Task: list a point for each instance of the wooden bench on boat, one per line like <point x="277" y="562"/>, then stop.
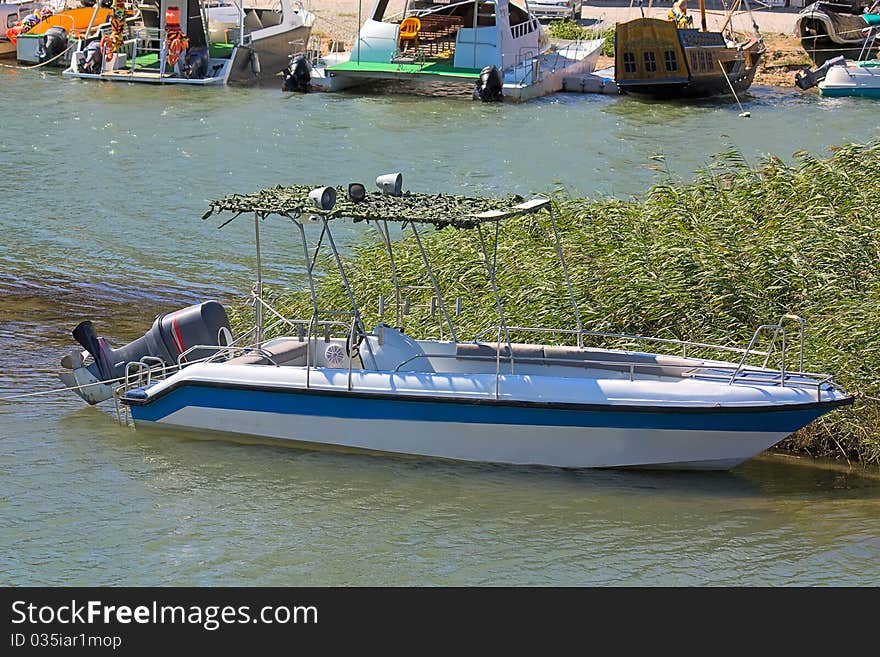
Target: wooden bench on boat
<point x="438" y="33"/>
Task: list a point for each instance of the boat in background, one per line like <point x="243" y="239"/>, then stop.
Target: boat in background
<point x="852" y="78"/>
<point x="495" y="47"/>
<point x="659" y="58"/>
<point x="58" y="32"/>
<point x="844" y="77"/>
<point x="12" y="13"/>
<point x="197" y="43"/>
<point x="836" y="29"/>
<point x="324" y="379"/>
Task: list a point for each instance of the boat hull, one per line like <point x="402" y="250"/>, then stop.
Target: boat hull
<point x="273" y="52"/>
<point x="697" y="88"/>
<point x="482" y="430"/>
<point x="540" y="76"/>
<point x="854" y="79"/>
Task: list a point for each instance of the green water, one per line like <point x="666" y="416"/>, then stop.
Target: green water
<point x="102" y="188"/>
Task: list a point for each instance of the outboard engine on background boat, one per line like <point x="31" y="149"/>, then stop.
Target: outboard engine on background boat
<point x="170" y="336"/>
<point x="297" y="75"/>
<point x="489" y="86"/>
<point x="91" y="58"/>
<point x="195" y="63"/>
<point x="53" y="43"/>
<point x="807" y="79"/>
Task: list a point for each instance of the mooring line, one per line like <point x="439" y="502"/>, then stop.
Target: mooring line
<point x="48" y="61"/>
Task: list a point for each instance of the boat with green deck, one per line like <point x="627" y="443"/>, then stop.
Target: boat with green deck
<point x="496" y="47"/>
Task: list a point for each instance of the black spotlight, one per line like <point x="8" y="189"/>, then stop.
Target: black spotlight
<point x="356" y="192"/>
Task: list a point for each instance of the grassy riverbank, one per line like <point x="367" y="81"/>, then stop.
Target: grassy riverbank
<point x="708" y="260"/>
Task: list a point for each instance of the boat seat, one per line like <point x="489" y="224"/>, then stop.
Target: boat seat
<point x="659" y="365"/>
<point x="280" y="352"/>
<point x="488" y="350"/>
<point x="599" y="359"/>
<point x="408" y="32"/>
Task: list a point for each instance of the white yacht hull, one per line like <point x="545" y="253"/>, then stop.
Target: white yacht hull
<point x="591" y="423"/>
<point x="854" y="79"/>
<point x="564" y="447"/>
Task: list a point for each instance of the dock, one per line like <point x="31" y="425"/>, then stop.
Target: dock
<point x="597" y="82"/>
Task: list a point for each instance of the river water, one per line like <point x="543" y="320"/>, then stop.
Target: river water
<point x="102" y="190"/>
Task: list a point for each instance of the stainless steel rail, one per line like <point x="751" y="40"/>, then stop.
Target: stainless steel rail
<point x="711" y="370"/>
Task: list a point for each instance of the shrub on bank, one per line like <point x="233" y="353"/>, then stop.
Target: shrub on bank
<point x="708" y="261"/>
<point x="569" y="29"/>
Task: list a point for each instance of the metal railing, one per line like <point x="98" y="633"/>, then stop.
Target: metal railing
<point x="698" y="370"/>
<point x="778" y="331"/>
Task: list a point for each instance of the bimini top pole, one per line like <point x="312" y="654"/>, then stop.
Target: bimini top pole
<point x="561" y="255"/>
<point x="354" y="307"/>
<point x="258" y="307"/>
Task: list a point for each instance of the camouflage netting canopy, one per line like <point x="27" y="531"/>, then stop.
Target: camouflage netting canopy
<point x="441" y="210"/>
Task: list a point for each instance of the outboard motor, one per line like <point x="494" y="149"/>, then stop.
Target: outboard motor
<point x="807" y="79"/>
<point x="91" y="58"/>
<point x="489" y="86"/>
<point x="195" y="63"/>
<point x="53" y="43"/>
<point x="297" y="76"/>
<point x="170" y="336"/>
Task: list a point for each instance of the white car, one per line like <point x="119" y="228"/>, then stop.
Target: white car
<point x="544" y="9"/>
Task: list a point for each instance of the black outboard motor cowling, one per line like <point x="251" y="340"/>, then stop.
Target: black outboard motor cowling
<point x="807" y="79"/>
<point x="91" y="58"/>
<point x="489" y="86"/>
<point x="297" y="76"/>
<point x="195" y="63"/>
<point x="53" y="43"/>
<point x="170" y="336"/>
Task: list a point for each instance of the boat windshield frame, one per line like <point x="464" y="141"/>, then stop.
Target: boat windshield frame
<point x="297" y="208"/>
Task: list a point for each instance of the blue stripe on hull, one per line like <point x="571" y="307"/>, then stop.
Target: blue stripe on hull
<point x="342" y="405"/>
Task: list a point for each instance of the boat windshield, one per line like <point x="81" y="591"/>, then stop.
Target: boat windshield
<point x="462" y="12"/>
<point x="395" y="11"/>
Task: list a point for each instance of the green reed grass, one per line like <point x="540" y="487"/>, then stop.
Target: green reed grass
<point x="708" y="260"/>
<point x="566" y="28"/>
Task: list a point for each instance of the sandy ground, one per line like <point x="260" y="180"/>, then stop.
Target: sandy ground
<point x="337" y="20"/>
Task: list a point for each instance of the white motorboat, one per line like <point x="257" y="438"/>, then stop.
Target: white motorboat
<point x="495" y="47"/>
<point x="329" y="381"/>
<point x="859" y="78"/>
<point x="12" y="12"/>
<point x="844" y="77"/>
<point x="240" y="45"/>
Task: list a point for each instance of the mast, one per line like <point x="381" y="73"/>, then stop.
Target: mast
<point x="703" y="14"/>
<point x="476" y="11"/>
<point x="727" y="20"/>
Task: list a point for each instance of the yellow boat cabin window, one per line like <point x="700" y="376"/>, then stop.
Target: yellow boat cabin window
<point x="670" y="60"/>
<point x="629" y="62"/>
<point x="650" y="61"/>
